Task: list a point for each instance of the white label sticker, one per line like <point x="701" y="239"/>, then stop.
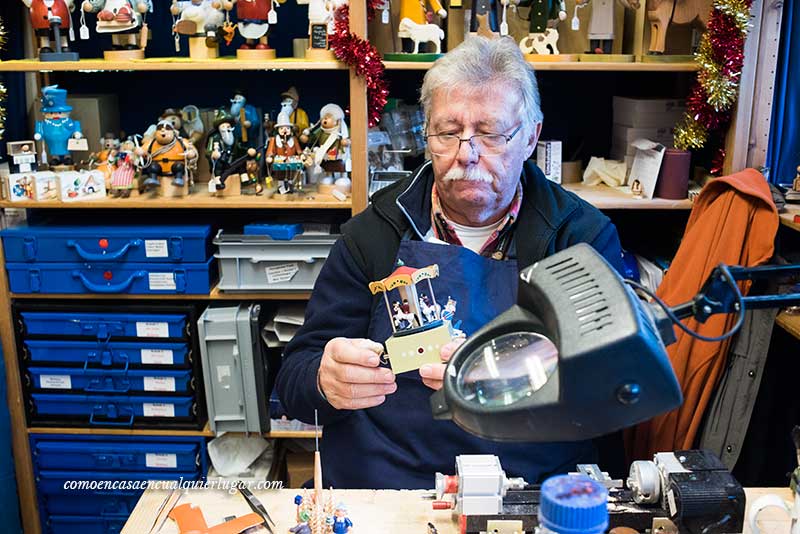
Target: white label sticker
<point x="159" y="383"/>
<point x="223" y="372"/>
<point x="671" y="503"/>
<point x="55" y="382"/>
<point x="156" y="248"/>
<point x="78" y="144"/>
<point x="281" y="273"/>
<point x="161" y="281"/>
<point x="165" y="461"/>
<point x="158" y="409"/>
<point x="25" y="167"/>
<point x="148" y="329"/>
<point x="157" y="357"/>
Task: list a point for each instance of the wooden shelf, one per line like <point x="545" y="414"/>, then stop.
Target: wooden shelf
<point x="570" y="66"/>
<point x="119" y="431"/>
<point x="166" y="63"/>
<point x="620" y="198"/>
<point x="216" y="294"/>
<point x="789" y="322"/>
<point x="787" y="218"/>
<point x="198" y="200"/>
<point x="296" y="434"/>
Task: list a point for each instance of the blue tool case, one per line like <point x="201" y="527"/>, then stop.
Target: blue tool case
<point x="90" y="484"/>
<point x="108" y="244"/>
<point x="103" y="380"/>
<point x="106" y="354"/>
<point x="104" y="325"/>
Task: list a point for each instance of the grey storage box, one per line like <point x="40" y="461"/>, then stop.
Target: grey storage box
<point x="260" y="263"/>
<point x="238" y="378"/>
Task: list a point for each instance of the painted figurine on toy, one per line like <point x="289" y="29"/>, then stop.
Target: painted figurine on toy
<point x="247" y="119"/>
<point x="601" y="23"/>
<point x="51" y="22"/>
<point x="285" y="157"/>
<point x="543" y="36"/>
<point x="255" y="17"/>
<point x="329" y="140"/>
<point x="223" y="148"/>
<point x="125" y="21"/>
<point x="415" y="24"/>
<point x="123" y="167"/>
<point x="57" y="128"/>
<point x="202" y="21"/>
<point x="165" y="155"/>
<point x="341" y="523"/>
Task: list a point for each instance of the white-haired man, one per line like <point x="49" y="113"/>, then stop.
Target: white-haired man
<point x="482" y="212"/>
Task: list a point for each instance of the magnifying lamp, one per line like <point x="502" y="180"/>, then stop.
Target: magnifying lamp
<point x="580" y="355"/>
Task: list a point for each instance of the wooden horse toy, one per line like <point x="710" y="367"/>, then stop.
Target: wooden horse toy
<point x="661" y="13"/>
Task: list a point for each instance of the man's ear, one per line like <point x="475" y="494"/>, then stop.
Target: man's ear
<point x="533" y="139"/>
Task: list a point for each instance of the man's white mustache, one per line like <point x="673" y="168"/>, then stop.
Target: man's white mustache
<point x="472" y="174"/>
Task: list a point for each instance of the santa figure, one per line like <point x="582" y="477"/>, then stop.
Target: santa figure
<point x="51" y="16"/>
<point x="254" y="17"/>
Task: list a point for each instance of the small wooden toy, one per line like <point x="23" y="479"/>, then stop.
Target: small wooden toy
<point x="541" y="44"/>
<point x="165" y="155"/>
<point x="202" y="21"/>
<point x="57" y="128"/>
<point x="320" y="26"/>
<point x="255" y="18"/>
<point x="125" y="21"/>
<point x="222" y="149"/>
<point x="123" y="169"/>
<point x="247" y="120"/>
<point x="602" y="29"/>
<point x="52" y="23"/>
<point x="23" y="155"/>
<point x="329" y="140"/>
<point x="662" y="13"/>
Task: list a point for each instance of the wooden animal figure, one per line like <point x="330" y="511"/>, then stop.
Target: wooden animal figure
<point x="662" y="13"/>
<point x="540" y="43"/>
<point x="421" y="33"/>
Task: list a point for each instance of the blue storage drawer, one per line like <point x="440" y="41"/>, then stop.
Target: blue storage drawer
<point x="120" y="410"/>
<point x="72" y="524"/>
<point x="112" y="353"/>
<point x="57" y="500"/>
<point x="144" y="456"/>
<point x="105" y="278"/>
<point x="104" y="325"/>
<point x="123" y="380"/>
<point x="154" y="243"/>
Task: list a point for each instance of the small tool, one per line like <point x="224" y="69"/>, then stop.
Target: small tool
<point x="163" y="512"/>
<point x="257" y="507"/>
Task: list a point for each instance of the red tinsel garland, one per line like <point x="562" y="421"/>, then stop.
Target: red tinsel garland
<point x="721" y="58"/>
<point x="363" y="57"/>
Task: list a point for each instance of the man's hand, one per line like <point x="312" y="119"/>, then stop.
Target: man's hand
<point x="350" y="376"/>
<point x="433" y="374"/>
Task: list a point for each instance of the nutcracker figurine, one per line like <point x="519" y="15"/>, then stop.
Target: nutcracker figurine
<point x="51" y="20"/>
<point x="165" y="155"/>
<point x="202" y="21"/>
<point x="542" y="39"/>
<point x="57" y="128"/>
<point x="125" y="21"/>
<point x="329" y="140"/>
<point x="255" y="17"/>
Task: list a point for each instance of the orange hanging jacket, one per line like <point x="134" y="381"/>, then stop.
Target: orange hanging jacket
<point x="733" y="221"/>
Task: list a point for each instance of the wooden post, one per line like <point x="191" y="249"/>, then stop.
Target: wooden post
<point x="358" y="117"/>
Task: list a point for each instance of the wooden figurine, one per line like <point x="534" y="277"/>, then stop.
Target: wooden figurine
<point x="541" y="44"/>
<point x="662" y="13"/>
<point x="23" y="156"/>
<point x="290" y="102"/>
<point x="796" y="182"/>
<point x="202" y="21"/>
<point x="165" y="155"/>
<point x="255" y="18"/>
<point x="329" y="140"/>
<point x="189" y="129"/>
<point x="51" y="21"/>
<point x="284" y="158"/>
<point x="416" y="28"/>
<point x="485" y="10"/>
<point x="57" y="128"/>
<point x="602" y="28"/>
<point x="247" y="120"/>
<point x="123" y="169"/>
<point x="636" y="189"/>
<point x="223" y="148"/>
<point x="320" y="26"/>
<point x="125" y="21"/>
<point x="110" y="144"/>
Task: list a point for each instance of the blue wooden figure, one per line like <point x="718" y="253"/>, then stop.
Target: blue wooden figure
<point x="247" y="116"/>
<point x="57" y="128"/>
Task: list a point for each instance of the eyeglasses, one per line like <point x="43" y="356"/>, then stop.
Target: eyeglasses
<point x="484" y="144"/>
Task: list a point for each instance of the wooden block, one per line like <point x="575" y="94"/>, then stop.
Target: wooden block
<point x="199" y="50"/>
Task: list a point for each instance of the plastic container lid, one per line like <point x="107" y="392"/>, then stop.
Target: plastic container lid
<point x="573" y="504"/>
<point x="283" y="232"/>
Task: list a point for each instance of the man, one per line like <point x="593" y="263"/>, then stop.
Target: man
<point x="482" y="213"/>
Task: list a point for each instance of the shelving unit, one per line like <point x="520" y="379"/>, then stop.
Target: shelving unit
<point x="216" y="294"/>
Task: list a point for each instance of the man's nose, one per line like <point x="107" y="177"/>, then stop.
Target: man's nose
<point x="467" y="152"/>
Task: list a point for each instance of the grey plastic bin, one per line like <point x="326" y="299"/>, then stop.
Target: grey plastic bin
<point x="235" y="369"/>
<point x="260" y="263"/>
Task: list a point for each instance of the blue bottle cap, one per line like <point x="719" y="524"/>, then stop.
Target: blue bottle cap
<point x="573" y="504"/>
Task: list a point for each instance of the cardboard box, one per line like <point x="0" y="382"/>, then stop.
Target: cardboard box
<point x="81" y="186"/>
<point x="548" y="158"/>
<point x="625" y="135"/>
<point x="97" y="114"/>
<point x="634" y="106"/>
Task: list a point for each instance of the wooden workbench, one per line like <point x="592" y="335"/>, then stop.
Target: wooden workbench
<point x="372" y="512"/>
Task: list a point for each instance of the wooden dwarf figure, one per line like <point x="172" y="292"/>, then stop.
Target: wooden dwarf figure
<point x="165" y="155"/>
<point x="284" y="157"/>
<point x="52" y="23"/>
<point x="223" y="148"/>
<point x="329" y="140"/>
<point x="125" y="21"/>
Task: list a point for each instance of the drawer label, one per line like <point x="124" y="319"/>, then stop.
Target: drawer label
<point x="55" y="382"/>
<point x="148" y="329"/>
<point x="161" y="281"/>
<point x="158" y="409"/>
<point x="159" y="383"/>
<point x="223" y="373"/>
<point x="284" y="272"/>
<point x="162" y="460"/>
<point x="156" y="248"/>
<point x="157" y="357"/>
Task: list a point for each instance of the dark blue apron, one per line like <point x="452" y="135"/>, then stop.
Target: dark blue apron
<point x="398" y="444"/>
